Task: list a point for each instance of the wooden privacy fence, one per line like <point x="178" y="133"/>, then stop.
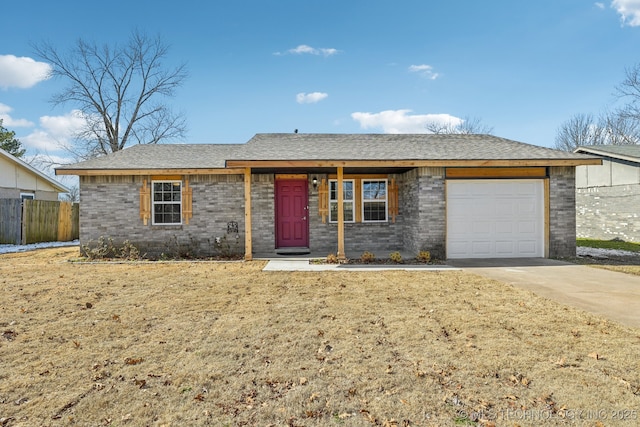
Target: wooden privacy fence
<point x="35" y="221"/>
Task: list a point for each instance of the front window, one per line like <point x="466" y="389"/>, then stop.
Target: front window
<point x="167" y="202"/>
<point x="374" y="201"/>
<point x="348" y="195"/>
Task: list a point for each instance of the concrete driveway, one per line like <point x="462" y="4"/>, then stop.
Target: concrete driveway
<point x="602" y="292"/>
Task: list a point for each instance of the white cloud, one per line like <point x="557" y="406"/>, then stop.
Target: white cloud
<point x="310" y="98"/>
<point x="39" y="140"/>
<point x="22" y="72"/>
<point x="10" y="122"/>
<point x="425" y="71"/>
<point x="599" y="5"/>
<point x="63" y="126"/>
<point x="629" y="11"/>
<point x="55" y="132"/>
<point x="304" y="49"/>
<point x="401" y="121"/>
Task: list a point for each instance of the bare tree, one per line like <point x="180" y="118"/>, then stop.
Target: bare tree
<point x="73" y="195"/>
<point x="580" y="129"/>
<point x="612" y="127"/>
<point x="119" y="91"/>
<point x="627" y="120"/>
<point x="629" y="90"/>
<point x="620" y="128"/>
<point x="468" y="125"/>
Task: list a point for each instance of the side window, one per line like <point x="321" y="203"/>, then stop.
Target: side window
<point x="27" y="196"/>
<point x="166" y="202"/>
<point x="348" y="197"/>
<point x="374" y="200"/>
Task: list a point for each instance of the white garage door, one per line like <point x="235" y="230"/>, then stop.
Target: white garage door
<point x="495" y="218"/>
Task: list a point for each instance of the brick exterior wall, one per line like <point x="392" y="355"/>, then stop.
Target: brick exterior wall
<point x="422" y="205"/>
<point x="562" y="206"/>
<point x="263" y="238"/>
<point x="609" y="212"/>
<point x="110" y="207"/>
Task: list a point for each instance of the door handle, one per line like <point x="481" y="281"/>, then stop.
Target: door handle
<point x="304" y="218"/>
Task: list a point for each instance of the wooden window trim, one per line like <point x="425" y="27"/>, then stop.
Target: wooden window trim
<point x="392" y="195"/>
<point x="187" y="202"/>
<point x="323" y="200"/>
<point x="145" y="202"/>
<point x="391" y="200"/>
<point x="386" y="200"/>
<point x="154" y="203"/>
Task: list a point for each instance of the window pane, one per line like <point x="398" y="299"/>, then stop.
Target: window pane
<point x="157" y="192"/>
<point x="372" y="190"/>
<point x="348" y="211"/>
<point x="166" y="202"/>
<point x="347" y="187"/>
<point x="375" y="211"/>
<point x="347" y="190"/>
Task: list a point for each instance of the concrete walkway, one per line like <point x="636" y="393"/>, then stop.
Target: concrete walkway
<point x="301" y="264"/>
<point x="602" y="292"/>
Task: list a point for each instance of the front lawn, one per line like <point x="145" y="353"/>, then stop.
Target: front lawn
<point x="198" y="344"/>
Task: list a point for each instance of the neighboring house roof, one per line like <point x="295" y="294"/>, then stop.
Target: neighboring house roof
<point x="276" y="149"/>
<point x="630" y="153"/>
<point x="13" y="159"/>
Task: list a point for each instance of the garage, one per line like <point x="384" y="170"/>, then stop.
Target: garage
<point x="495" y="218"/>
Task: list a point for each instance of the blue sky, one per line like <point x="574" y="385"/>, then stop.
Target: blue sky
<point x="348" y="66"/>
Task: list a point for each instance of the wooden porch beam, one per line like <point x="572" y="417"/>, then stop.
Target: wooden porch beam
<point x="410" y="163"/>
<point x="127" y="172"/>
<point x="248" y="250"/>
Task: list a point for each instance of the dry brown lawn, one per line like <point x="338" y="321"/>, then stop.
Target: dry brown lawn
<point x="194" y="344"/>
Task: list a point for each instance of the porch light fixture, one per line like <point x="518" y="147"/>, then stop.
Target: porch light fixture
<point x="314" y="181"/>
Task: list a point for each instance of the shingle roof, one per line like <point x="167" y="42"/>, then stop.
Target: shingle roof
<point x="626" y="152"/>
<point x="285" y="147"/>
<point x="162" y="156"/>
<point x="392" y="147"/>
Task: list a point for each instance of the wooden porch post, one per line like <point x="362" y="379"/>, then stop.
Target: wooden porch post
<point x="340" y="254"/>
<point x="547" y="217"/>
<point x="248" y="250"/>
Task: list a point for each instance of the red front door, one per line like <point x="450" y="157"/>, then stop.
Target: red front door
<point x="292" y="225"/>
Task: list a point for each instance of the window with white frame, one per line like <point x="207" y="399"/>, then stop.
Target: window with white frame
<point x="374" y="200"/>
<point x="27" y="196"/>
<point x="348" y="200"/>
<point x="167" y="202"/>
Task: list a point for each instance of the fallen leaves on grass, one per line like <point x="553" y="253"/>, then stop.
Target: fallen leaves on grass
<point x="385" y="348"/>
